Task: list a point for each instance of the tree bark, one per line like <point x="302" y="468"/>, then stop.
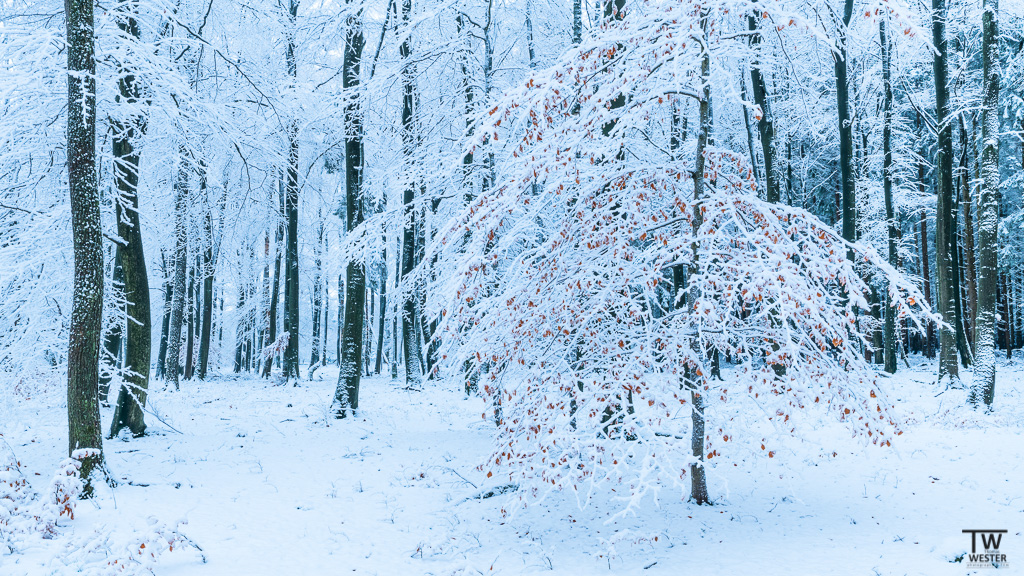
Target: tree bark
<point x="206" y="273"/>
<point x="382" y="314"/>
<point x="314" y="353"/>
<point x="275" y="290"/>
<point x="291" y="302"/>
<point x="410" y="313"/>
<point x="190" y="325"/>
<point x="705" y="139"/>
<point x="178" y="261"/>
<point x="984" y="384"/>
<point x="131" y="399"/>
<point x="945" y="205"/>
<point x="766" y="123"/>
<point x="889" y="330"/>
<point x="161" y="355"/>
<point x="87" y="233"/>
<point x="346" y="396"/>
<point x="969" y="264"/>
<point x="111" y="356"/>
<point x="846" y="129"/>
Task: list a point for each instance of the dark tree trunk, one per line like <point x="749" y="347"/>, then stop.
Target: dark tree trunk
<point x="275" y="289"/>
<point x="958" y="293"/>
<point x="161" y="356"/>
<point x="889" y="330"/>
<point x="314" y="354"/>
<point x="346" y="396"/>
<point x="87" y="232"/>
<point x="765" y="124"/>
<point x="381" y="315"/>
<point x="410" y="309"/>
<point x="190" y="307"/>
<point x="969" y="269"/>
<point x="577" y="22"/>
<point x="291" y="303"/>
<point x="929" y="345"/>
<point x="241" y="331"/>
<point x="131" y="399"/>
<point x="847" y="177"/>
<point x="206" y="273"/>
<point x="945" y="205"/>
<point x="111" y="357"/>
<point x="180" y="254"/>
<point x="341" y="316"/>
<point x="1008" y="335"/>
<point x="750" y="132"/>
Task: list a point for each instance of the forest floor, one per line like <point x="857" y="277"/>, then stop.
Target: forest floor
<point x="268" y="483"/>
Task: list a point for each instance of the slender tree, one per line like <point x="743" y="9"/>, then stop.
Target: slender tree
<point x="110" y="357"/>
<point x="944" y="211"/>
<point x="206" y="273"/>
<point x="317" y="301"/>
<point x="766" y="122"/>
<point x="87" y="303"/>
<point x="178" y="261"/>
<point x="411" y="342"/>
<point x="705" y="140"/>
<point x="168" y="287"/>
<point x="889" y="330"/>
<point x="984" y="385"/>
<point x="275" y="286"/>
<point x="131" y="399"/>
<point x="346" y="396"/>
<point x="847" y="177"/>
<point x="291" y="291"/>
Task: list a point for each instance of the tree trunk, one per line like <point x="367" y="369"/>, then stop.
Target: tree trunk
<point x="291" y="302"/>
<point x="87" y="233"/>
<point x="346" y="396"/>
<point x="766" y="123"/>
<point x="969" y="268"/>
<point x="111" y="356"/>
<point x="131" y="398"/>
<point x="750" y="131"/>
<point x="314" y="354"/>
<point x="1009" y="333"/>
<point x="382" y="314"/>
<point x="180" y="253"/>
<point x="705" y="139"/>
<point x="190" y="307"/>
<point x="241" y="331"/>
<point x="988" y="216"/>
<point x="206" y="273"/>
<point x="341" y="316"/>
<point x="577" y="22"/>
<point x="847" y="179"/>
<point x="410" y="313"/>
<point x="958" y="293"/>
<point x="275" y="289"/>
<point x="944" y="231"/>
<point x="889" y="331"/>
<point x="161" y="355"/>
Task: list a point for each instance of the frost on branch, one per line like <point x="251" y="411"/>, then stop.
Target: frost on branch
<point x="562" y="296"/>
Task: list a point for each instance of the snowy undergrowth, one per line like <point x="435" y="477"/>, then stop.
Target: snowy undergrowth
<point x="269" y="484"/>
<point x="34" y="522"/>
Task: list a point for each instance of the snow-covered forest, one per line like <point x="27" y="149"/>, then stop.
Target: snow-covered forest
<point x="521" y="286"/>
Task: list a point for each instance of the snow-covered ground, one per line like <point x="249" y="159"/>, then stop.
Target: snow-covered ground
<point x="267" y="483"/>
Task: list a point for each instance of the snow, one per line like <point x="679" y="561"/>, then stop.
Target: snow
<point x="264" y="481"/>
